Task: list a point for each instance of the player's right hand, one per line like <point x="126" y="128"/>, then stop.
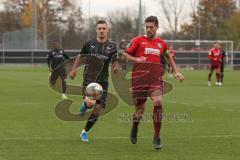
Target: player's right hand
<point x="141" y="59"/>
<point x="179" y="76"/>
<point x="72" y="74"/>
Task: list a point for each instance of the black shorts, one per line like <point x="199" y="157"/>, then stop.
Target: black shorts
<point x="93" y="73"/>
<point x="59" y="72"/>
<point x="222" y="67"/>
<point x="102" y="100"/>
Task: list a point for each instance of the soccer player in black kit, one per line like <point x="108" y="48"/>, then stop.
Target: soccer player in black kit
<point x="56" y="60"/>
<point x="224" y="58"/>
<point x="97" y="54"/>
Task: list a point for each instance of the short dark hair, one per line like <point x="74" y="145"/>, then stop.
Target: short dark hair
<point x="152" y="19"/>
<point x="101" y="22"/>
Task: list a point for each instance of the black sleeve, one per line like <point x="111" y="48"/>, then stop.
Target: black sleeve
<point x="85" y="50"/>
<point x="65" y="55"/>
<point x="114" y="56"/>
<point x="49" y="58"/>
<point x="223" y="53"/>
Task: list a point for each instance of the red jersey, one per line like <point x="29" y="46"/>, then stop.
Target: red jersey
<point x="172" y="53"/>
<point x="215" y="55"/>
<point x="146" y="77"/>
<point x="150" y="48"/>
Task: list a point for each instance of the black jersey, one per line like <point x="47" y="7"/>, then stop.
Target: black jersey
<point x="224" y="54"/>
<point x="97" y="60"/>
<point x="56" y="57"/>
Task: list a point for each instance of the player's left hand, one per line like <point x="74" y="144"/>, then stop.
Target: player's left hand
<point x="72" y="74"/>
<point x="115" y="67"/>
<point x="179" y="76"/>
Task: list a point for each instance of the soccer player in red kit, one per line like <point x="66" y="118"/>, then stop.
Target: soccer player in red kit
<point x="145" y="51"/>
<point x="215" y="58"/>
<point x="173" y="54"/>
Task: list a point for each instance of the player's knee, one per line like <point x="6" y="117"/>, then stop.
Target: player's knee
<point x="140" y="109"/>
<point x="96" y="113"/>
<point x="157" y="98"/>
<point x="97" y="109"/>
<point x="157" y="102"/>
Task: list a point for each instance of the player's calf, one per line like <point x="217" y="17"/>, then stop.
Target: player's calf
<point x="86" y="104"/>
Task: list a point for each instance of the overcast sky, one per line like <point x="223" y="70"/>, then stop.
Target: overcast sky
<point x="101" y="7"/>
<point x="152" y="7"/>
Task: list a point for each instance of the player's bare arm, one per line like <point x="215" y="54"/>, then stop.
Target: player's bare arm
<point x="73" y="71"/>
<point x="115" y="66"/>
<point x="179" y="76"/>
<point x="134" y="59"/>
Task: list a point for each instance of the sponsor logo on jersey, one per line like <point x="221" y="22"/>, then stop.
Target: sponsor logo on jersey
<point x="58" y="56"/>
<point x="99" y="56"/>
<point x="143" y="43"/>
<point x="159" y="45"/>
<point x="152" y="51"/>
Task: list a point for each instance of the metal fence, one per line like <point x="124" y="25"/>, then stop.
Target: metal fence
<point x="28" y="56"/>
<point x="185" y="59"/>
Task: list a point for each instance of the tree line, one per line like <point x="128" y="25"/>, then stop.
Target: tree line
<point x="209" y="20"/>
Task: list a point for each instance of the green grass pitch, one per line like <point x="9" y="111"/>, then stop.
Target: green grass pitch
<point x="201" y="122"/>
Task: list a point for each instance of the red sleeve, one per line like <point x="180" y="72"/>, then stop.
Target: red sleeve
<point x="173" y="54"/>
<point x="220" y="57"/>
<point x="210" y="55"/>
<point x="132" y="47"/>
<point x="165" y="46"/>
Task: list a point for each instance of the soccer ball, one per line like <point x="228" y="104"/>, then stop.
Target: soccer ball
<point x="94" y="91"/>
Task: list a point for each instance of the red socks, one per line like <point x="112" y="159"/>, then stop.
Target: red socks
<point x="136" y="120"/>
<point x="157" y="120"/>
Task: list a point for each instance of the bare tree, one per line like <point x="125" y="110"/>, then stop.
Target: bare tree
<point x="123" y="23"/>
<point x="10" y="16"/>
<point x="194" y="6"/>
<point x="172" y="10"/>
<point x="51" y="18"/>
<point x="208" y="20"/>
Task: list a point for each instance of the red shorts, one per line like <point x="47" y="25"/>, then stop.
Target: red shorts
<point x="145" y="80"/>
<point x="215" y="65"/>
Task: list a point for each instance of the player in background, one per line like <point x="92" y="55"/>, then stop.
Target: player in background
<point x="145" y="51"/>
<point x="97" y="54"/>
<point x="215" y="58"/>
<point x="56" y="59"/>
<point x="224" y="59"/>
<point x="173" y="54"/>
